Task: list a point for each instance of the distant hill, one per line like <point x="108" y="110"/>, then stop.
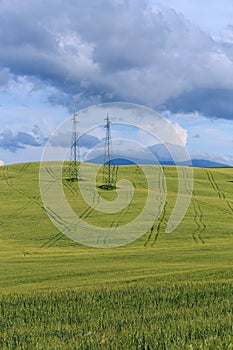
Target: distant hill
<point x="119" y="161"/>
<point x="161" y="152"/>
<point x="204" y="163"/>
<point x="199" y="163"/>
<point x="163" y="156"/>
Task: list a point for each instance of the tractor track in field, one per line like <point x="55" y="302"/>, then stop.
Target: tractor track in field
<point x="52" y="241"/>
<point x="201" y="227"/>
<point x="213" y="183"/>
<point x="55" y="217"/>
<point x="24" y="167"/>
<point x="138" y="171"/>
<point x="155" y="229"/>
<point x="19" y="211"/>
<point x="68" y="185"/>
<point x="65" y="182"/>
<point x="58" y="236"/>
<point x="85" y="214"/>
<point x="220" y="193"/>
<point x="49" y="170"/>
<point x="162" y="210"/>
<point x="116" y="221"/>
<point x="160" y="222"/>
<point x="198" y="216"/>
<point x="199" y="221"/>
<point x="32" y="200"/>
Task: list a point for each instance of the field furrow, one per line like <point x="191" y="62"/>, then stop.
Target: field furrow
<point x="199" y="221"/>
<point x="220" y="193"/>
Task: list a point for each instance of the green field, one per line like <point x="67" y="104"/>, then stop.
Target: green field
<point x="164" y="291"/>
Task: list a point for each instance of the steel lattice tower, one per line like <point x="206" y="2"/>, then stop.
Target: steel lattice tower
<point x="109" y="170"/>
<point x="74" y="151"/>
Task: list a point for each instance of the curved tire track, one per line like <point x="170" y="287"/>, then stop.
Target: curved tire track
<point x="155" y="230"/>
<point x="32" y="200"/>
<point x="198" y="215"/>
<point x="220" y="193"/>
<point x="24" y="167"/>
<point x="198" y="219"/>
<point x="83" y="215"/>
<point x="116" y="221"/>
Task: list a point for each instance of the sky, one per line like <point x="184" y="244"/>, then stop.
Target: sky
<point x="173" y="56"/>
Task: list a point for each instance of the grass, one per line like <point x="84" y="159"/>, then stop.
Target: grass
<point x="163" y="291"/>
<point x="139" y="317"/>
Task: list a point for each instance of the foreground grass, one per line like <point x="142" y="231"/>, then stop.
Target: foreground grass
<point x="142" y="316"/>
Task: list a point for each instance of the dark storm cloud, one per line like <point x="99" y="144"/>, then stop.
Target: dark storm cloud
<point x="88" y="141"/>
<point x="64" y="139"/>
<point x="24" y="138"/>
<point x="9" y="142"/>
<point x="4" y="76"/>
<point x="116" y="50"/>
<point x="14" y="141"/>
<point x="209" y="102"/>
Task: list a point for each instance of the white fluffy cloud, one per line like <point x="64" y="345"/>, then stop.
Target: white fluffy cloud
<point x="1" y="163"/>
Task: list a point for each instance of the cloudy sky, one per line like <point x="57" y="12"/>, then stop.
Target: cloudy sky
<point x="174" y="56"/>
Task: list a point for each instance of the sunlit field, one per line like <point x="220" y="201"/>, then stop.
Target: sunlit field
<point x="163" y="291"/>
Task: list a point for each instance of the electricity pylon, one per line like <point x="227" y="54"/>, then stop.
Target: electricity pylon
<point x="74" y="151"/>
<point x="109" y="170"/>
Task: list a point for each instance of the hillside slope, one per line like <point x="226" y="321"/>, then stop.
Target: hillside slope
<point x="35" y="255"/>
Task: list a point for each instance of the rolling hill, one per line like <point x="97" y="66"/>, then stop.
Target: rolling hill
<point x="58" y="293"/>
<point x="27" y="234"/>
<point x="159" y="152"/>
